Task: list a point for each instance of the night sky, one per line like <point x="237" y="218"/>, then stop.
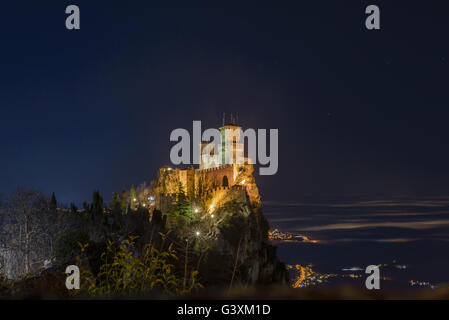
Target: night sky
<point x="359" y="112"/>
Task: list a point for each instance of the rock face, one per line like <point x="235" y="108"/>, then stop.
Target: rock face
<point x="227" y="223"/>
<point x="242" y="240"/>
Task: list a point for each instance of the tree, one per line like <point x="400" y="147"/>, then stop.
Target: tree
<point x="124" y="202"/>
<point x="183" y="206"/>
<point x="115" y="208"/>
<point x="116" y="202"/>
<point x="73" y="208"/>
<point x="28" y="236"/>
<point x="97" y="204"/>
<point x="53" y="203"/>
<point x="133" y="197"/>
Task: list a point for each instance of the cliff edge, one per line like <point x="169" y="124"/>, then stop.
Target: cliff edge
<point x="217" y="213"/>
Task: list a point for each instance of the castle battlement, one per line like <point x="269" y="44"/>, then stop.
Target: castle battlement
<point x="236" y="186"/>
<point x="216" y="168"/>
<point x="211" y="190"/>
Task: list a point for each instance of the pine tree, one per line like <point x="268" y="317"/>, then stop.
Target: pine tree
<point x="133" y="197"/>
<point x="53" y="203"/>
<point x="116" y="205"/>
<point x="183" y="206"/>
<point x="97" y="204"/>
<point x="73" y="208"/>
<point x="124" y="202"/>
<point x="116" y="201"/>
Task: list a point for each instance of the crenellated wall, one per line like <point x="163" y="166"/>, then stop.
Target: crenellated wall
<point x="208" y="183"/>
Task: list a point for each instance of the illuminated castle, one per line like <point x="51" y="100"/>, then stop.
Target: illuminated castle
<point x="217" y="173"/>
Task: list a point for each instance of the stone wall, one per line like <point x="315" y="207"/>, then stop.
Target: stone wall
<point x="206" y="184"/>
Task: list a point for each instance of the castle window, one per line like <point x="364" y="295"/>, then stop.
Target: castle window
<point x="225" y="181"/>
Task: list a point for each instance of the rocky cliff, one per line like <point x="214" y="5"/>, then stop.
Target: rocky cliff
<point x="226" y="227"/>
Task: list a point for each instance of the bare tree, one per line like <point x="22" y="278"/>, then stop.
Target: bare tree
<point x="26" y="232"/>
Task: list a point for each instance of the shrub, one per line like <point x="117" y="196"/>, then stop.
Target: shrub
<point x="124" y="271"/>
<point x="67" y="241"/>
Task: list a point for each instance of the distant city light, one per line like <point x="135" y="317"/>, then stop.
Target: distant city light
<point x="243" y="181"/>
<point x="196" y="210"/>
<point x="134" y="199"/>
<point x="197" y="233"/>
<point x="151" y="198"/>
<point x="211" y="215"/>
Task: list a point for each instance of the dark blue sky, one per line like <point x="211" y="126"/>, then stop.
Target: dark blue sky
<point x="359" y="112"/>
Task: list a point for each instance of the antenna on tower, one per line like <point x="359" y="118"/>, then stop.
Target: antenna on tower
<point x="224" y="117"/>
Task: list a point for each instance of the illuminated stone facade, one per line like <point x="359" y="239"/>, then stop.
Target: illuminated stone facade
<point x="215" y="177"/>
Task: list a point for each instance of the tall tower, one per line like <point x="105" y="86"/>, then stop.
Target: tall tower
<point x="232" y="149"/>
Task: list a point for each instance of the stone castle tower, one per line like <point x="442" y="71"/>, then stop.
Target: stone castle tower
<point x="231" y="150"/>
